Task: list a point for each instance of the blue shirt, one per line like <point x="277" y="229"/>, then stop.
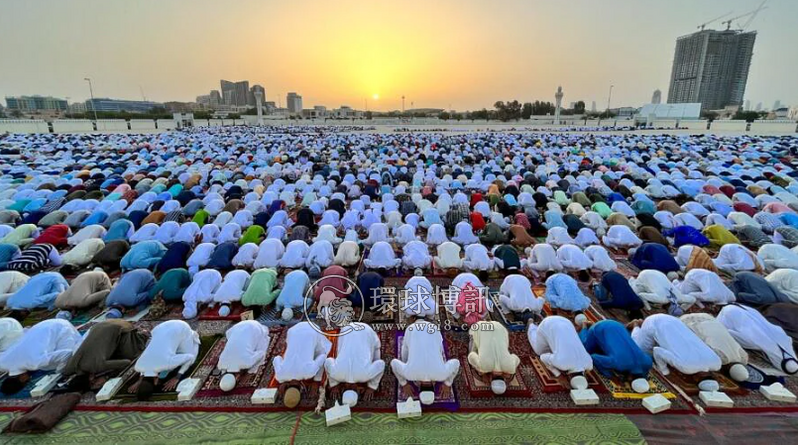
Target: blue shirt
<point x="39" y="292"/>
<point x="612" y="349"/>
<point x="562" y="292"/>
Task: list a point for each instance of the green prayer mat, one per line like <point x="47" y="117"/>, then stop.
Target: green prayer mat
<point x="482" y="428"/>
<point x="89" y="427"/>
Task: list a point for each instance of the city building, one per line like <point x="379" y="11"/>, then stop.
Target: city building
<point x="711" y="67"/>
<point x="656" y="98"/>
<point x="293" y="102"/>
<point x="252" y="91"/>
<point x="758" y="107"/>
<point x="317" y="112"/>
<point x="747" y="106"/>
<point x="117" y="105"/>
<point x="181" y="107"/>
<point x="34" y="104"/>
<point x="776" y="105"/>
<point x="235" y="93"/>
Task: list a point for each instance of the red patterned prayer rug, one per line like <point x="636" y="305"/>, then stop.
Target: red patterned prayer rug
<point x="551" y="383"/>
<point x="212" y="313"/>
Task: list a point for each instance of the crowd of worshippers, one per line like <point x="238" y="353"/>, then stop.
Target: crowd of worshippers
<point x="219" y="217"/>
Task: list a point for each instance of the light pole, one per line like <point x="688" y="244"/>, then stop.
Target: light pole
<point x="91" y="94"/>
<point x="609" y="99"/>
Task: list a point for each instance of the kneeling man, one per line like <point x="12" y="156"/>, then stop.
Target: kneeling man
<point x="422" y="360"/>
<point x="490" y="355"/>
<point x="357" y="362"/>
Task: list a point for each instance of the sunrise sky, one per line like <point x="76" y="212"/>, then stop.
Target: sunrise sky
<point x="438" y="53"/>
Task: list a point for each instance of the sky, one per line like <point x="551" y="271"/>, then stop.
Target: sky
<point x="459" y="54"/>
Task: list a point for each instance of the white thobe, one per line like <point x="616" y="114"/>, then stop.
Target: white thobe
<point x="246" y="347"/>
<point x="586" y="237"/>
<point x="415" y="254"/>
<point x="166" y="232"/>
<point x="542" y="258"/>
<point x="327" y="233"/>
<point x="377" y="232"/>
<point x="381" y="255"/>
<point x="595" y="222"/>
<point x="245" y="257"/>
<point x="404" y="234"/>
<point x="600" y="258"/>
<point x="320" y="254"/>
<point x="144" y="233"/>
<point x="448" y="256"/>
<point x="620" y="237"/>
<point x="295" y="254"/>
<point x="572" y="258"/>
<point x="688" y="219"/>
<point x="270" y="251"/>
<point x="776" y="256"/>
<point x="187" y="233"/>
<point x="737" y="258"/>
<point x="752" y="331"/>
<point x="173" y="344"/>
<point x="93" y="231"/>
<point x="436" y="235"/>
<point x="718" y="219"/>
<point x="200" y="257"/>
<point x="786" y="282"/>
<point x="672" y="344"/>
<point x="717" y="337"/>
<point x="706" y="287"/>
<point x="558" y="236"/>
<point x="348" y="254"/>
<point x="653" y="287"/>
<point x="230" y="232"/>
<point x="233" y="286"/>
<point x="357" y="359"/>
<point x="558" y="345"/>
<point x="10" y="282"/>
<point x="10" y="331"/>
<point x="665" y="219"/>
<point x="476" y="258"/>
<point x="243" y="218"/>
<point x="305" y="353"/>
<point x="464" y="234"/>
<point x="210" y="233"/>
<point x="421" y="301"/>
<point x="202" y="287"/>
<point x="46" y="346"/>
<point x="422" y="358"/>
<point x="515" y="294"/>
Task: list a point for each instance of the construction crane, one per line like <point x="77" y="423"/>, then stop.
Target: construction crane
<point x="752" y="15"/>
<point x="701" y="26"/>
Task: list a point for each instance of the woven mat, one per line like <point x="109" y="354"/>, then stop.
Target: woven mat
<point x="689" y="383"/>
<point x="212" y="313"/>
<point x="560" y="384"/>
<point x="450" y="403"/>
<point x="622" y="388"/>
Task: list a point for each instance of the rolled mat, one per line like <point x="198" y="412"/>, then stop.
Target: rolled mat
<point x="44" y="415"/>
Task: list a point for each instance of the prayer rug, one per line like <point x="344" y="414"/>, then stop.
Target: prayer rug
<point x="24" y="393"/>
<point x="513" y="321"/>
<point x="622" y="388"/>
<point x="551" y="383"/>
<point x="212" y="313"/>
<point x="592" y="314"/>
<point x="273" y="317"/>
<point x="87" y="315"/>
<point x="451" y="403"/>
<point x="689" y="383"/>
<point x="174" y="311"/>
<point x="477" y="428"/>
<point x="758" y="377"/>
<point x="245" y="383"/>
<point x="131" y="377"/>
<point x="477" y="387"/>
<point x="38" y="315"/>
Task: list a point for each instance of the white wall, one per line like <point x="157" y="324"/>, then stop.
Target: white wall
<point x="768" y="127"/>
<point x="166" y="124"/>
<point x="23" y="126"/>
<point x="663" y="123"/>
<point x="214" y="122"/>
<point x="693" y="124"/>
<point x="142" y="124"/>
<point x="728" y="125"/>
<point x="111" y="125"/>
<point x="72" y="126"/>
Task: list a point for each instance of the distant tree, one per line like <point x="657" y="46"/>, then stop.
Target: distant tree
<point x="526" y="110"/>
<point x="458" y="116"/>
<point x="542" y="108"/>
<point x="369" y="115"/>
<point x="709" y="115"/>
<point x="16" y="113"/>
<point x="202" y="115"/>
<point x="579" y="107"/>
<point x="234" y="116"/>
<point x="444" y="116"/>
<point x="606" y="114"/>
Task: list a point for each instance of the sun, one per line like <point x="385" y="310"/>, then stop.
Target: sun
<point x="375" y="97"/>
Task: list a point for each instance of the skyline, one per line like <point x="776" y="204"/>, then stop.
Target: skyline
<point x="465" y="54"/>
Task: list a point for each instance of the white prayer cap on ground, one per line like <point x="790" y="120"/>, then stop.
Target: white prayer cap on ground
<point x="673" y="276"/>
<point x="708" y="385"/>
<point x="427" y="397"/>
<point x="349" y="398"/>
<point x="640" y="386"/>
<point x="738" y="372"/>
<point x="287" y="314"/>
<point x="224" y="310"/>
<point x="579" y="382"/>
<point x="228" y="382"/>
<point x="580" y="320"/>
<point x="791" y="367"/>
<point x="498" y="386"/>
<point x="64" y="315"/>
<point x="632" y="251"/>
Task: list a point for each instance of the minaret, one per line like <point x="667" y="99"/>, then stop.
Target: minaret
<point x="258" y="106"/>
<point x="558" y="98"/>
